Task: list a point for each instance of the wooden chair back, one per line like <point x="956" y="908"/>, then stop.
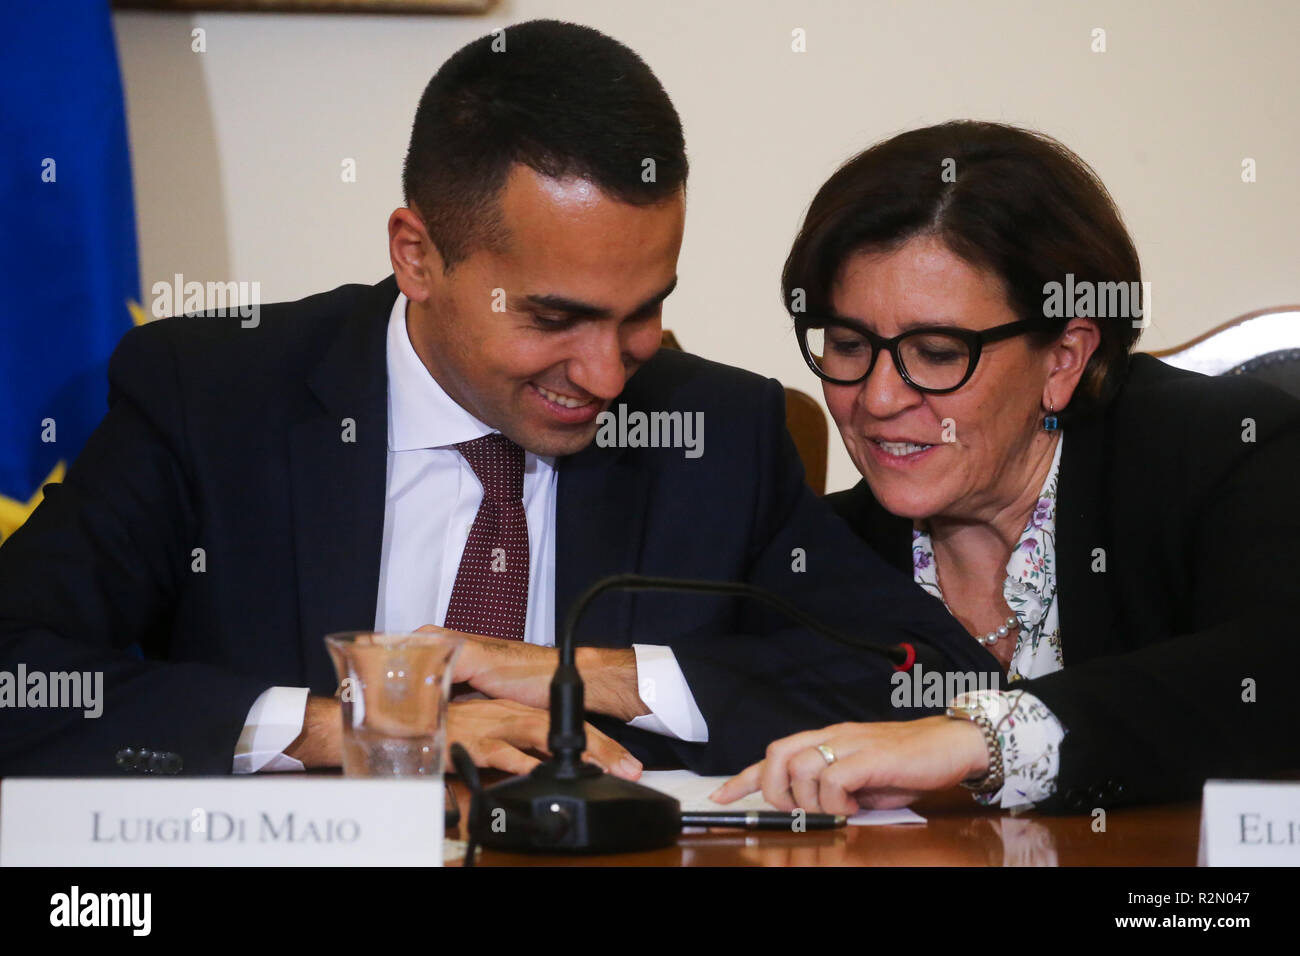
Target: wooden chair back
<point x="1264" y="343"/>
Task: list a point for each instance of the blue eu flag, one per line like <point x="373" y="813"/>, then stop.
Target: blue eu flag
<point x="68" y="267"/>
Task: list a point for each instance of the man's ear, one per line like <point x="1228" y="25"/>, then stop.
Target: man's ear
<point x="1068" y="357"/>
<point x="416" y="261"/>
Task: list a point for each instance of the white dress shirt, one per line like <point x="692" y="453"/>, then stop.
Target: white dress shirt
<point x="430" y="503"/>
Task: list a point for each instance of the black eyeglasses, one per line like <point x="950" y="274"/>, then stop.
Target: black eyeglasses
<point x="935" y="359"/>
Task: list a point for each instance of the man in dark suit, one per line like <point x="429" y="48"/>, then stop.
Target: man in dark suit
<point x="366" y="457"/>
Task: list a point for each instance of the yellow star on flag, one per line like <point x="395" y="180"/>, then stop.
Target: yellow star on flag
<point x="13" y="512"/>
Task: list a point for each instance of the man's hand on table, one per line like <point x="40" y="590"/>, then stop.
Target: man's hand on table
<point x="504" y="735"/>
<point x="522" y="672"/>
<point x="501" y="734"/>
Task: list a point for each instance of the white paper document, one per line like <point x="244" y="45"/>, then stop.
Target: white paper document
<point x="692" y="791"/>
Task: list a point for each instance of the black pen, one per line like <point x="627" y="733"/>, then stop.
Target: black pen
<point x="765" y="820"/>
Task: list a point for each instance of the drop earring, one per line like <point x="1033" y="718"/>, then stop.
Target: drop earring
<point x="1050" y="422"/>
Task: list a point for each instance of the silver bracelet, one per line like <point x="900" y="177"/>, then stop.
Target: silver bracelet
<point x="991" y="781"/>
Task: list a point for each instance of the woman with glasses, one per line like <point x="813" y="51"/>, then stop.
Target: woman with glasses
<point x="1119" y="535"/>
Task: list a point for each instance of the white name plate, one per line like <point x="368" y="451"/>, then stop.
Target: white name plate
<point x="1250" y="823"/>
<point x="221" y="821"/>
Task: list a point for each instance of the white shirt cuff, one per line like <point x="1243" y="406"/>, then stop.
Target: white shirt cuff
<point x="1031" y="752"/>
<point x="274" y="722"/>
<point x="663" y="688"/>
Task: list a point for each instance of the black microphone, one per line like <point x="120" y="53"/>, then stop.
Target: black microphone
<point x="565" y="805"/>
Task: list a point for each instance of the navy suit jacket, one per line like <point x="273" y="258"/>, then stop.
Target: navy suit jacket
<point x="230" y="440"/>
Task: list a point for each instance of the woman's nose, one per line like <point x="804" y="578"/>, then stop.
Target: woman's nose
<point x="885" y="393"/>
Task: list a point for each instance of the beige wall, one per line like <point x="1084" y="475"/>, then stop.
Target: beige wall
<point x="237" y="150"/>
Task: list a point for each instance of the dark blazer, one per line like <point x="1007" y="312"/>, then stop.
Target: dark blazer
<point x="230" y="440"/>
<point x="1177" y="543"/>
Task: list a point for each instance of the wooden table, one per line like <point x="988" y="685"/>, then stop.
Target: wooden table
<point x="957" y="833"/>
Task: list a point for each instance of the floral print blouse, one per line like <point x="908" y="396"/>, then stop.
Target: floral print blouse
<point x="1029" y="733"/>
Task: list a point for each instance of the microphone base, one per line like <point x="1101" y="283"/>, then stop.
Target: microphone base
<point x="590" y="812"/>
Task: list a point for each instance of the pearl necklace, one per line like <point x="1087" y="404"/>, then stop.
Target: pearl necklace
<point x="992" y="637"/>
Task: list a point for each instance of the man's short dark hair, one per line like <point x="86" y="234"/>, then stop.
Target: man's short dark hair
<point x="562" y="99"/>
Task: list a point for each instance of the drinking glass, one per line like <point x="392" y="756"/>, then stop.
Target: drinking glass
<point x="393" y="689"/>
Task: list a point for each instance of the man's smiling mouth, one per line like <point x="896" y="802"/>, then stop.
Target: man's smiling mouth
<point x="559" y="399"/>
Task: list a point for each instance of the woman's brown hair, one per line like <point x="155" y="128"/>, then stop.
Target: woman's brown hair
<point x="1011" y="201"/>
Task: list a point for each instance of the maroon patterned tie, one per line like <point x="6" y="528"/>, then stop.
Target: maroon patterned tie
<point x="490" y="595"/>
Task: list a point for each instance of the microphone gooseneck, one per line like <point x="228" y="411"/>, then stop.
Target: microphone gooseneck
<point x="568" y="805"/>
